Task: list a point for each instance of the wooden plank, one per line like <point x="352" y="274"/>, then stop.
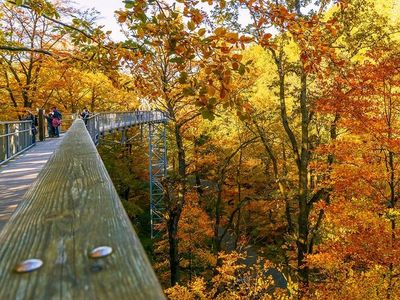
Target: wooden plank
<point x="72" y="208"/>
<point x="18" y="174"/>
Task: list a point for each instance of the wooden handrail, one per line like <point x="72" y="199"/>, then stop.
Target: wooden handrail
<point x="71" y="209"/>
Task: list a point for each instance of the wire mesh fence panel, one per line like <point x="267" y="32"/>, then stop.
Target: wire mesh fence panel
<point x="15" y="137"/>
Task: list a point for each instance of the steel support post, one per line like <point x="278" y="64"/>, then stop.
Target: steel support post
<point x="157" y="172"/>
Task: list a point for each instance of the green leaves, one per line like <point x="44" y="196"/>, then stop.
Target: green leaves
<point x="129" y="4"/>
<point x="177" y="59"/>
<point x="189" y="91"/>
<point x="242" y="69"/>
<point x="207" y="114"/>
<point x="183" y="77"/>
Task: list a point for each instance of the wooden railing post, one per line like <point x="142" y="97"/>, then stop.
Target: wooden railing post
<point x="42" y="125"/>
<point x="8" y="139"/>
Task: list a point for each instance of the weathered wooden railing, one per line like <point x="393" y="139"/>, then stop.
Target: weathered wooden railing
<point x="15" y="137"/>
<point x="72" y="209"/>
<point x="104" y="122"/>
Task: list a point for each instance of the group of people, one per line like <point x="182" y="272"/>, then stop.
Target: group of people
<point x="53" y="122"/>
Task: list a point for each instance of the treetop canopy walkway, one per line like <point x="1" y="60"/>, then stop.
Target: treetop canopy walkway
<point x="103" y="123"/>
<point x="70" y="237"/>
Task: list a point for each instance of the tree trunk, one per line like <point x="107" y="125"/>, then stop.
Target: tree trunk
<point x="176" y="210"/>
<point x="217" y="239"/>
<point x="172" y="225"/>
<point x="303" y="191"/>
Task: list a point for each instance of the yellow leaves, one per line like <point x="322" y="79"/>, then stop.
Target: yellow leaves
<point x="227" y="76"/>
<point x="140" y="33"/>
<point x="150" y="27"/>
<point x="222" y="34"/>
<point x="195" y="290"/>
<point x="220" y="31"/>
<point x="179" y="292"/>
<point x="191" y="25"/>
<point x="211" y="90"/>
<point x="201" y="31"/>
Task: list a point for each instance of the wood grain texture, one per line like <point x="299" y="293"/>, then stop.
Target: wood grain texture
<point x="72" y="208"/>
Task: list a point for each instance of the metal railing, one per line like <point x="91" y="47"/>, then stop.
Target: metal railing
<point x="15" y="138"/>
<point x="101" y="123"/>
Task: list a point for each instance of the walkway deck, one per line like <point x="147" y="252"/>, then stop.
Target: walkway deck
<point x="18" y="175"/>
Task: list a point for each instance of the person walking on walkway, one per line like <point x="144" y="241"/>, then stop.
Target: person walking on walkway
<point x="85" y="115"/>
<point x="56" y="122"/>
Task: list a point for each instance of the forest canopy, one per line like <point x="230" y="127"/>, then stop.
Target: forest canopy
<point x="283" y="133"/>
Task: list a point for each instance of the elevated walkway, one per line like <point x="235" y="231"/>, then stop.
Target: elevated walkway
<point x="69" y="237"/>
<point x="104" y="123"/>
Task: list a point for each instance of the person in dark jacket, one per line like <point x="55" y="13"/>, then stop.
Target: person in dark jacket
<point x="31" y="117"/>
<point x="50" y="128"/>
<point x="56" y="121"/>
<point x="85" y="115"/>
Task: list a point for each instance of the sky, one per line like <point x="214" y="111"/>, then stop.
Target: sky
<point x="106" y="9"/>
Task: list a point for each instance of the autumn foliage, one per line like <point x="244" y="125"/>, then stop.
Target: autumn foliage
<point x="283" y="134"/>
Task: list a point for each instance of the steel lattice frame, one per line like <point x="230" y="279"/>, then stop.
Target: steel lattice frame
<point x="100" y="124"/>
<point x="157" y="172"/>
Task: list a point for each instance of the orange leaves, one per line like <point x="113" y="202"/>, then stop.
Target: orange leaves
<point x="265" y="40"/>
<point x="282" y="11"/>
<point x="280" y="15"/>
<point x="194" y="14"/>
<point x="122" y="16"/>
<point x="261" y="21"/>
<point x="235" y="65"/>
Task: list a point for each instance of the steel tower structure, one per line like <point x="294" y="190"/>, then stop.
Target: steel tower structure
<point x="157" y="173"/>
<point x="101" y="124"/>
